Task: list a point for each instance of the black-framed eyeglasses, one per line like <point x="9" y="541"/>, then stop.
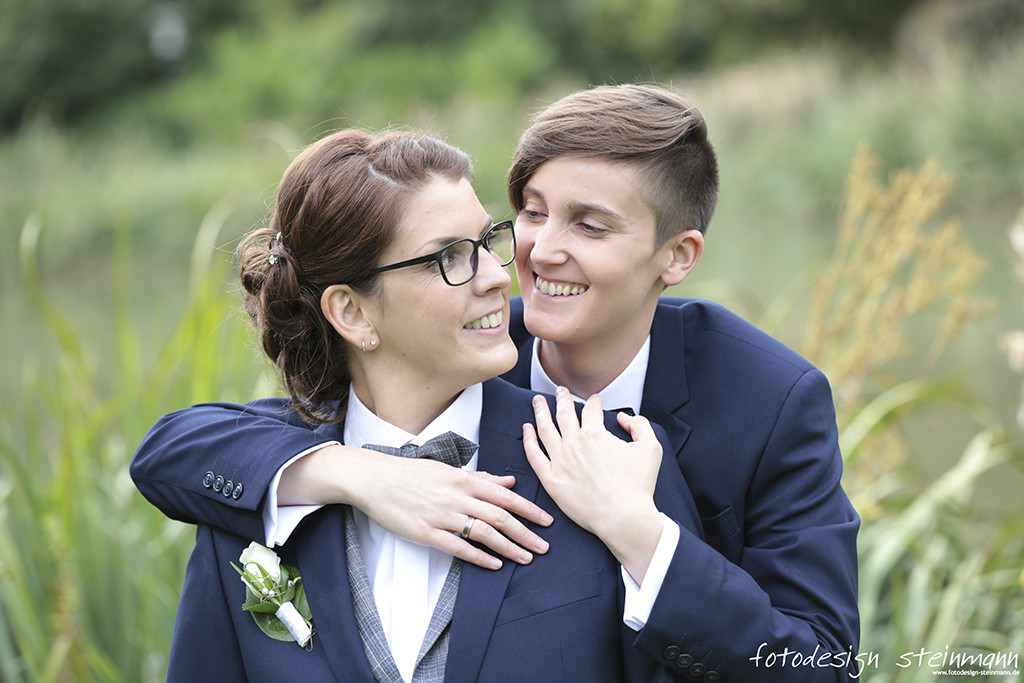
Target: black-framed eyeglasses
<point x="459" y="260"/>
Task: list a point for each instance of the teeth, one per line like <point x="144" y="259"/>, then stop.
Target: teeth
<point x="486" y="322"/>
<point x="559" y="288"/>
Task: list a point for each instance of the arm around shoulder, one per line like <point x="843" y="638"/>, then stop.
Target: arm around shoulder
<point x="793" y="588"/>
<point x="213" y="463"/>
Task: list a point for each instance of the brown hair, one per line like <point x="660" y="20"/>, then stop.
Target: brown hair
<point x="661" y="133"/>
<point x="337" y="209"/>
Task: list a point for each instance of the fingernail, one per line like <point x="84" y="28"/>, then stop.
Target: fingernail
<point x="541" y="546"/>
<point x="525" y="557"/>
<point x="537" y="400"/>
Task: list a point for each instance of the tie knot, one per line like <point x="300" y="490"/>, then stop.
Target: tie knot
<point x="449" y="448"/>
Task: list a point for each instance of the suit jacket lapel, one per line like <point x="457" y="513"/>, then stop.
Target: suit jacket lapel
<point x="665" y="389"/>
<point x="320" y="557"/>
<point x="481" y="591"/>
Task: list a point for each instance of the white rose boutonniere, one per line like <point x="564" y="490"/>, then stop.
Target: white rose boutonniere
<point x="263" y="557"/>
<point x="275" y="596"/>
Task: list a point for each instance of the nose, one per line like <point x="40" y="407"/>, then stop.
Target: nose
<point x="543" y="243"/>
<point x="490" y="274"/>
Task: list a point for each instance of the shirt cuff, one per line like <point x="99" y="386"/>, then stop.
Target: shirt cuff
<point x="640" y="599"/>
<point x="280" y="522"/>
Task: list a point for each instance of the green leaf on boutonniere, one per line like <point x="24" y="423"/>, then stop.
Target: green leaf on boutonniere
<point x="257" y="603"/>
<point x="272" y="626"/>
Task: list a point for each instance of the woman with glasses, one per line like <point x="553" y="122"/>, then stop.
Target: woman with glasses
<point x="379" y="290"/>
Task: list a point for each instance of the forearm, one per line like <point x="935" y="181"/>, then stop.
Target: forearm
<point x="420" y="500"/>
<point x="333" y="473"/>
<point x="631" y="530"/>
<point x="816" y="621"/>
<point x="248" y="445"/>
<point x="791" y="587"/>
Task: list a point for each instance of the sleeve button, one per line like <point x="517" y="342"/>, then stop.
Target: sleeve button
<point x="684" y="661"/>
<point x="671" y="652"/>
<point x="711" y="677"/>
<point x="228" y="487"/>
<point x="237" y="493"/>
<point x="218" y="483"/>
<point x="208" y="479"/>
<point x="698" y="669"/>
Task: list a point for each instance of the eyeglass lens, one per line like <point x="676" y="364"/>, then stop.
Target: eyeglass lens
<point x="460" y="259"/>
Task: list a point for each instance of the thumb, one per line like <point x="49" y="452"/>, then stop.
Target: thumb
<point x="638" y="427"/>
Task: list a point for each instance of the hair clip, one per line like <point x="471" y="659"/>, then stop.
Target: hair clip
<point x="273" y="257"/>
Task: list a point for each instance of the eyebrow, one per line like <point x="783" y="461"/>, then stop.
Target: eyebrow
<point x="583" y="207"/>
<point x="578" y="206"/>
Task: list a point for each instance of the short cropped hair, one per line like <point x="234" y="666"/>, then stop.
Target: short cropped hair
<point x="650" y="128"/>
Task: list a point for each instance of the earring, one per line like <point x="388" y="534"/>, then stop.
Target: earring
<point x="364" y="346"/>
<point x="373" y="342"/>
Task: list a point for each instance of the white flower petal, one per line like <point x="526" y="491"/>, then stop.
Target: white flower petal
<point x="264" y="557"/>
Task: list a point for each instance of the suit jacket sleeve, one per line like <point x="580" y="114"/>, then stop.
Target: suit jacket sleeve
<point x="213" y="463"/>
<point x="795" y="585"/>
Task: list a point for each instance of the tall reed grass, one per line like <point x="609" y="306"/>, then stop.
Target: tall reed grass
<point x="932" y="574"/>
<point x="90" y="574"/>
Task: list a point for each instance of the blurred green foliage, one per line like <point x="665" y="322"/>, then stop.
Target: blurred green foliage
<point x="65" y="59"/>
<point x="615" y="39"/>
<point x="69" y="59"/>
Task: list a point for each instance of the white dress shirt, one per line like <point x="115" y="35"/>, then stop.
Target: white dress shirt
<point x="407" y="577"/>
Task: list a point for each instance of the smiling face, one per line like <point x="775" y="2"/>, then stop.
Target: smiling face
<point x="589" y="271"/>
<point x="432" y="336"/>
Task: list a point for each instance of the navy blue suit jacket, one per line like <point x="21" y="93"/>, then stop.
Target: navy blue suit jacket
<point x="752" y="427"/>
<point x="557" y="619"/>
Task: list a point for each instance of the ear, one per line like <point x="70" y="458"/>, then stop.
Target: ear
<point x="348" y="313"/>
<point x="682" y="251"/>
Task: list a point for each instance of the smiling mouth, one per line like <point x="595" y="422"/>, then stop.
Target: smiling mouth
<point x="560" y="288"/>
<point x="486" y="322"/>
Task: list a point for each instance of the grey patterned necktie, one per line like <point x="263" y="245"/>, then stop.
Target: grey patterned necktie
<point x="449" y="448"/>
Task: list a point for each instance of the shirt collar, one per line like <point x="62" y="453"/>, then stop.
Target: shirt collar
<point x="362" y="426"/>
<point x="625" y="391"/>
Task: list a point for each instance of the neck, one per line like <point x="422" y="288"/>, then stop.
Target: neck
<point x="408" y="408"/>
<point x="587" y="368"/>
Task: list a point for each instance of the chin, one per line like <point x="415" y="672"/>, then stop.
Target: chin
<point x="549" y="327"/>
<point x="483" y="364"/>
<point x="505" y="358"/>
